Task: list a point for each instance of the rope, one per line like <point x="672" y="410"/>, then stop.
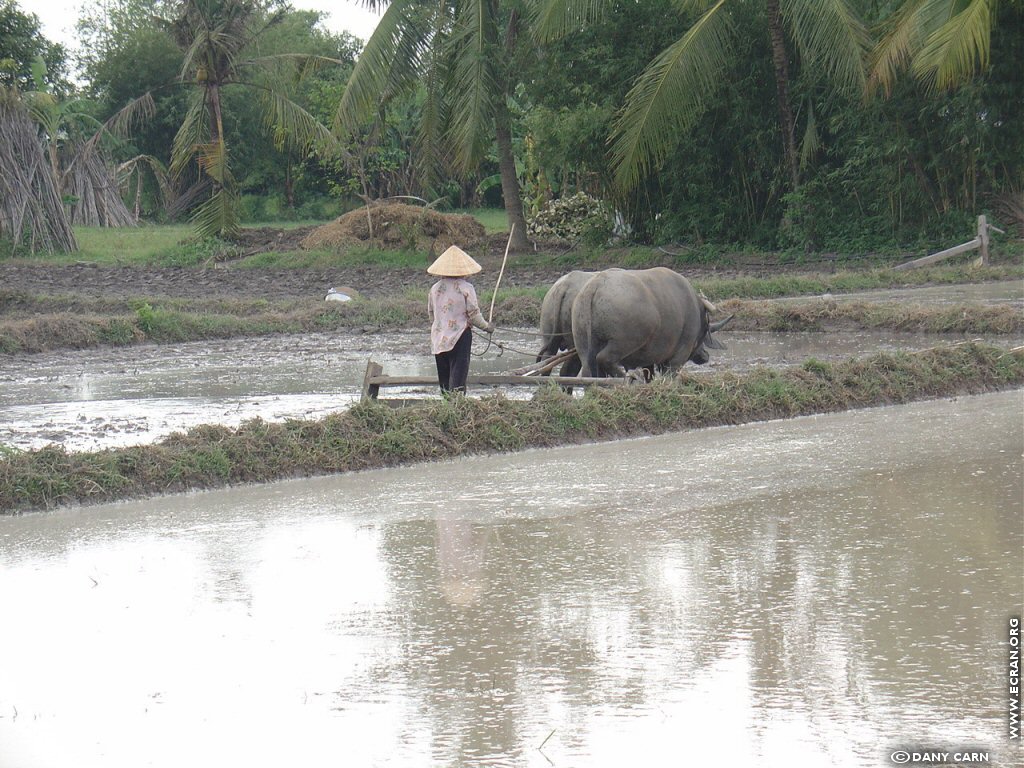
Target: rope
<point x="500" y="346"/>
<point x="538" y="335"/>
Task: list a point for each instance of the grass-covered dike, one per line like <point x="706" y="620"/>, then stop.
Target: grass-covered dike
<point x="372" y="435"/>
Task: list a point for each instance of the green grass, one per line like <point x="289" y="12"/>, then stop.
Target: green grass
<point x="372" y="434"/>
<point x="288" y="260"/>
<point x="125" y="245"/>
<point x="494" y="220"/>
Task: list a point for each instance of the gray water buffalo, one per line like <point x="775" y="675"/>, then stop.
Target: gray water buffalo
<point x="645" y="318"/>
<point x="556" y="318"/>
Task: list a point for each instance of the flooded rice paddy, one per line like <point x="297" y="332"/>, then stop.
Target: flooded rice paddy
<point x="815" y="592"/>
<point x="93" y="399"/>
<point x="101" y="398"/>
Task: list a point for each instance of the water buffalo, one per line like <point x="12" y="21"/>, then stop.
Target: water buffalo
<point x="556" y="318"/>
<point x="645" y="318"/>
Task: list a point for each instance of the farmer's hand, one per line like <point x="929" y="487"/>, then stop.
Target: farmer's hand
<point x="490" y="328"/>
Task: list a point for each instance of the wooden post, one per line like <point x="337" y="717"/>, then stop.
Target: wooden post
<point x="983" y="238"/>
<point x="956" y="250"/>
<point x="370" y="391"/>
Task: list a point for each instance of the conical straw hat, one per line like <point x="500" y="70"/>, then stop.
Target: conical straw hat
<point x="454" y="262"/>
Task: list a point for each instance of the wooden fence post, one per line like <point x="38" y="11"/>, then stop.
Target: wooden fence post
<point x="370" y="391"/>
<point x="983" y="238"/>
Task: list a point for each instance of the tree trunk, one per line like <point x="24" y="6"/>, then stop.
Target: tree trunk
<point x="781" y="65"/>
<point x="510" y="190"/>
<point x="289" y="184"/>
<point x="216" y="130"/>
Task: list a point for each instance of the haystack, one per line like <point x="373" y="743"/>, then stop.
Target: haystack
<point x="396" y="226"/>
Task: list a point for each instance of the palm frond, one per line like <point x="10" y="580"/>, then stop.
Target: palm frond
<point x="297" y="127"/>
<point x="136" y="164"/>
<point x="959" y="48"/>
<point x="903" y="34"/>
<point x="305" y="64"/>
<point x="475" y="84"/>
<point x="194" y="54"/>
<point x="43" y="108"/>
<point x="213" y="160"/>
<point x="386" y="62"/>
<point x="248" y="34"/>
<point x="131" y="115"/>
<point x="121" y="123"/>
<point x="696" y="7"/>
<point x="217" y="216"/>
<point x="811" y="142"/>
<point x="433" y="114"/>
<point x="669" y="96"/>
<point x="192" y="132"/>
<point x="552" y="20"/>
<point x="830" y="34"/>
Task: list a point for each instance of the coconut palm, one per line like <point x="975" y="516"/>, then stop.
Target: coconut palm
<point x="464" y="53"/>
<point x="215" y="36"/>
<point x="670" y="95"/>
<point x="944" y="42"/>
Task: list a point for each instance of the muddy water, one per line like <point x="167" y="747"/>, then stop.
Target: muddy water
<point x="1003" y="292"/>
<point x="797" y="593"/>
<point x="108" y="397"/>
<point x="103" y="398"/>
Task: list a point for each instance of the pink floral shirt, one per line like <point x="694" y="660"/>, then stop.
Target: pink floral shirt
<point x="453" y="306"/>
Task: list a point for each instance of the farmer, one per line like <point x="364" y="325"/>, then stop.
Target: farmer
<point x="453" y="307"/>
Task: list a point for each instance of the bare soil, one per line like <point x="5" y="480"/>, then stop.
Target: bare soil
<point x="221" y="280"/>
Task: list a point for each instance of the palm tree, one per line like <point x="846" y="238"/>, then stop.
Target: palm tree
<point x="215" y="35"/>
<point x="944" y="42"/>
<point x="464" y="53"/>
<point x="671" y="93"/>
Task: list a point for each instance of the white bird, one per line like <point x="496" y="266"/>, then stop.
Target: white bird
<point x="336" y="295"/>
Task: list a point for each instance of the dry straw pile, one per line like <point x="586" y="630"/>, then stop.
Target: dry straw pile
<point x="396" y="226"/>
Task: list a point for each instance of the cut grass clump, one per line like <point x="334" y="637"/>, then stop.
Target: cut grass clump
<point x="373" y="434"/>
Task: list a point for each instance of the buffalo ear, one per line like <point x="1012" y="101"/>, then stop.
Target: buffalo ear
<point x="712" y="343"/>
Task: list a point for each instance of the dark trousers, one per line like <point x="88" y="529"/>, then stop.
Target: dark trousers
<point x="453" y="365"/>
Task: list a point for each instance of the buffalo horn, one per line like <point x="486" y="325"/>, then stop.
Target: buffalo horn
<point x="710" y="307"/>
<point x="720" y="324"/>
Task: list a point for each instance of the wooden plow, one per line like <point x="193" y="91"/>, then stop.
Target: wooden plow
<point x="527" y="376"/>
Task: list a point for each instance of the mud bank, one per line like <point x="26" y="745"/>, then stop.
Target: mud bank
<point x="375" y="435"/>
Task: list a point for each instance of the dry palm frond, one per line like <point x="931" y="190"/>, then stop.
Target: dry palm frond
<point x="31" y="212"/>
<point x="91" y="184"/>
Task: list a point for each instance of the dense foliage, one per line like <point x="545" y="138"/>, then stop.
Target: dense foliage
<point x="929" y="139"/>
<point x="22" y="44"/>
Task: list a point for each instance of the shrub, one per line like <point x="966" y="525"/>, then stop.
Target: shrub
<point x="580" y="217"/>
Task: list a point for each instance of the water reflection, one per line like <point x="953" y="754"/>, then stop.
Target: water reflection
<point x="801" y="593"/>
